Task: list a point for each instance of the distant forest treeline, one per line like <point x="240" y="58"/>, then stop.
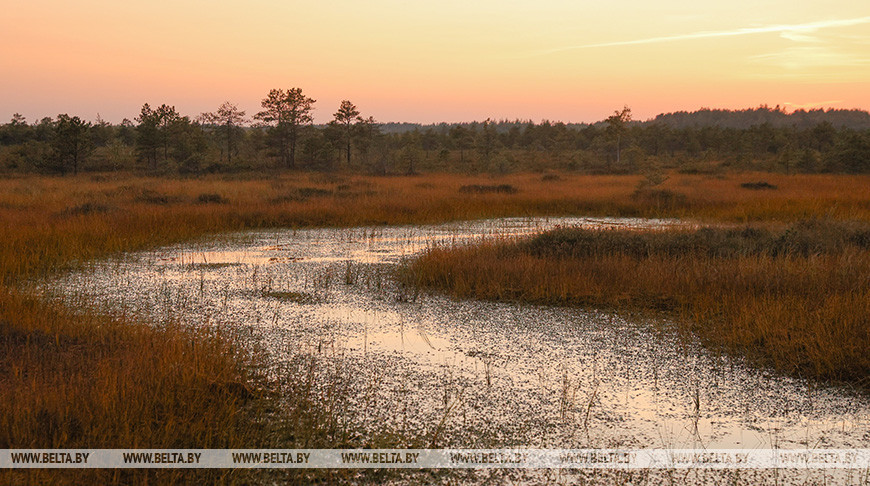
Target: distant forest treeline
<point x="282" y="136"/>
<point x="854" y="119"/>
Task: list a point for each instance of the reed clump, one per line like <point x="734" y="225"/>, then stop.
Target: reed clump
<point x="795" y="297"/>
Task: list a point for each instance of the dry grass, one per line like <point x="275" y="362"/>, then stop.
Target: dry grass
<point x="795" y="298"/>
<point x="78" y="379"/>
<point x="52" y="222"/>
<point x="82" y="381"/>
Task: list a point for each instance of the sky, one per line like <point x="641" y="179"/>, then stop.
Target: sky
<point x="433" y="61"/>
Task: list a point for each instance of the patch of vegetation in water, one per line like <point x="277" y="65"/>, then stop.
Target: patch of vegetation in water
<point x="215" y="266"/>
<point x="795" y="298"/>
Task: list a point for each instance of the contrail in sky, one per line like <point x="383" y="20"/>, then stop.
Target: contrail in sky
<point x="810" y="26"/>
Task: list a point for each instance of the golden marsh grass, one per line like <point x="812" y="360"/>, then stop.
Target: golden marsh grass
<point x="796" y="298"/>
<point x="76" y="378"/>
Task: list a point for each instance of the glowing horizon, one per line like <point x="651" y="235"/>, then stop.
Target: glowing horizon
<point x="448" y="61"/>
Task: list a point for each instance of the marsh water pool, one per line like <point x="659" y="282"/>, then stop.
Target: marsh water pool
<point x="469" y="373"/>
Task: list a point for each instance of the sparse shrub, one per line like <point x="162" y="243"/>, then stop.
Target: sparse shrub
<point x="307" y="192"/>
<point x="652" y="177"/>
<point x="210" y="198"/>
<point x="326" y="178"/>
<point x="86" y="208"/>
<point x="494" y="189"/>
<point x="760" y="185"/>
<point x="659" y="198"/>
<point x="154" y="197"/>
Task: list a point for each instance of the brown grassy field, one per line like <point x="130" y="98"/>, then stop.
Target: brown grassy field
<point x="796" y="298"/>
<point x="81" y="379"/>
<point x="52" y="222"/>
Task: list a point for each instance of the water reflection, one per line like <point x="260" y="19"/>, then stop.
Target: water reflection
<point x="488" y="374"/>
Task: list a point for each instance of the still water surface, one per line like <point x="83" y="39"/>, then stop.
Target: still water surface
<point x="474" y="374"/>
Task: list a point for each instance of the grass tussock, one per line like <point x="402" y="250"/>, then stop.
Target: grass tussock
<point x="796" y="298"/>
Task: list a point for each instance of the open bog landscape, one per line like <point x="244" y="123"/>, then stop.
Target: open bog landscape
<point x="324" y="304"/>
<point x="412" y="312"/>
<point x="453" y="243"/>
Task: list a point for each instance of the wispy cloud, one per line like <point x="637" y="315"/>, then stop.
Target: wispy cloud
<point x="792" y="31"/>
<point x="817" y="104"/>
<point x="799" y="35"/>
<point x="801" y="58"/>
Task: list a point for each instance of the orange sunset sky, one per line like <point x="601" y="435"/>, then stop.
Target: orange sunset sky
<point x="431" y="61"/>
